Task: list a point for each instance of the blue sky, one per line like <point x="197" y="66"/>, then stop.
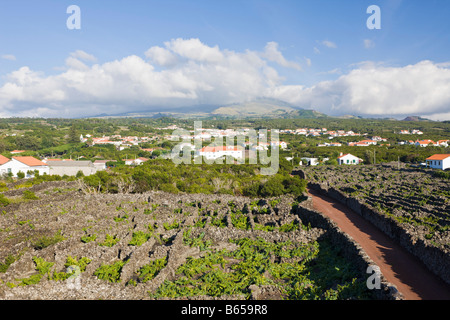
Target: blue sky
<point x="313" y="54"/>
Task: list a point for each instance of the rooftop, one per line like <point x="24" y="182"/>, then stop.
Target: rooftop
<point x="30" y="161"/>
<point x="439" y="157"/>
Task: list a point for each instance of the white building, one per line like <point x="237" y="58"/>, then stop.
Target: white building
<point x="309" y="161"/>
<point x="71" y="168"/>
<point x="349" y="159"/>
<point x="439" y="161"/>
<point x="425" y="143"/>
<point x="212" y="153"/>
<point x="27" y="165"/>
<point x="135" y="162"/>
<point x="281" y="144"/>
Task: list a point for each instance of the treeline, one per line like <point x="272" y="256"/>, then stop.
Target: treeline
<point x="164" y="175"/>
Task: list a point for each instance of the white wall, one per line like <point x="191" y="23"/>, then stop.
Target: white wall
<point x="350" y="159"/>
<point x="439" y="164"/>
<point x="15" y="166"/>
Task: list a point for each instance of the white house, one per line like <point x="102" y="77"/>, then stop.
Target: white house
<point x="443" y="143"/>
<point x="439" y="161"/>
<point x="3" y="165"/>
<point x="24" y="164"/>
<point x="310" y="161"/>
<point x="425" y="143"/>
<point x="218" y="152"/>
<point x="281" y="144"/>
<point x="135" y="162"/>
<point x="349" y="159"/>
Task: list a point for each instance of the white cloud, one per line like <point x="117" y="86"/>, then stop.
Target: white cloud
<point x="189" y="72"/>
<point x="10" y="57"/>
<point x="368" y="43"/>
<point x="329" y="44"/>
<point x="375" y="90"/>
<point x="161" y="56"/>
<point x="316" y="51"/>
<point x="194" y="49"/>
<point x="82" y="55"/>
<point x="308" y="62"/>
<point x="192" y="73"/>
<point x="272" y="53"/>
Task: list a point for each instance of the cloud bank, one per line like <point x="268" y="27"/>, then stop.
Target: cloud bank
<point x="374" y="90"/>
<point x="186" y="72"/>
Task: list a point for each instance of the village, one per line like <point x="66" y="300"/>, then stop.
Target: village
<point x="28" y="166"/>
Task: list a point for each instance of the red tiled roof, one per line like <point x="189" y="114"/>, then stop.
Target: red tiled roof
<point x="3" y="159"/>
<point x="439" y="157"/>
<point x="30" y="161"/>
<point x="425" y="141"/>
<point x="218" y="149"/>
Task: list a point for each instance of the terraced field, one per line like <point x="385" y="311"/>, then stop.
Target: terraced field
<point x="415" y="198"/>
<point x="59" y="243"/>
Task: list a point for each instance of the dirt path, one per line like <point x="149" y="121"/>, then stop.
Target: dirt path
<point x="398" y="266"/>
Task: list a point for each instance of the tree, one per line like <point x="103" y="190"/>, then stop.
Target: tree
<point x="27" y="142"/>
<point x="294" y="185"/>
<point x="272" y="188"/>
<point x="80" y="174"/>
<point x="74" y="137"/>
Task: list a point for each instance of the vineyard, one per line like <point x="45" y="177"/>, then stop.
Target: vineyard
<point x="416" y="198"/>
<point x="60" y="243"/>
<point x="408" y="204"/>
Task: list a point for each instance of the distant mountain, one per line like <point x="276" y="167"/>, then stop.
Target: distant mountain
<point x="349" y="116"/>
<point x="415" y="118"/>
<point x="256" y="109"/>
<point x="265" y="108"/>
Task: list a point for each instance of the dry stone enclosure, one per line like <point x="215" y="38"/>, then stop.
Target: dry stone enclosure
<point x="65" y="244"/>
<point x="410" y="205"/>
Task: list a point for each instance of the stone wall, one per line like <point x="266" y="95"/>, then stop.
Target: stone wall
<point x="350" y="248"/>
<point x="435" y="259"/>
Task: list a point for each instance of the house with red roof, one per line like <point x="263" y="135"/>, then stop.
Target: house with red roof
<point x="26" y="164"/>
<point x="17" y="151"/>
<point x="439" y="161"/>
<point x="221" y="151"/>
<point x="425" y="143"/>
<point x="349" y="159"/>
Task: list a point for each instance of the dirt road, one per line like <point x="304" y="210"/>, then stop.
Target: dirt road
<point x="398" y="266"/>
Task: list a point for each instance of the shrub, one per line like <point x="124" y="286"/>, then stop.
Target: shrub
<point x="45" y="241"/>
<point x="272" y="188"/>
<point x="111" y="272"/>
<point x="139" y="238"/>
<point x="4" y="201"/>
<point x="88" y="238"/>
<point x="151" y="270"/>
<point x="10" y="259"/>
<point x="109" y="241"/>
<point x="79" y="174"/>
<point x="29" y="195"/>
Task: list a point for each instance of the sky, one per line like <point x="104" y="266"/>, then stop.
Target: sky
<point x="137" y="55"/>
